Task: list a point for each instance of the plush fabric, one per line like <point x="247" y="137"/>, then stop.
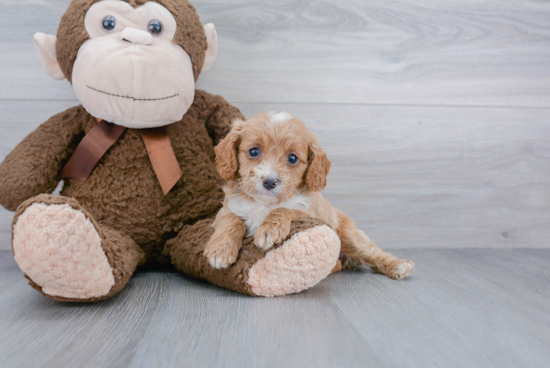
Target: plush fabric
<point x="122" y="253"/>
<point x="77" y="269"/>
<point x="123" y="190"/>
<point x="144" y="82"/>
<point x="129" y="92"/>
<point x="212" y="49"/>
<point x="291" y="269"/>
<point x="186" y="254"/>
<point x="45" y="45"/>
<point x="189" y="34"/>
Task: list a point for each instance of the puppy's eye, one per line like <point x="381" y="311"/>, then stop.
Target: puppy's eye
<point x="253" y="152"/>
<point x="292" y="159"/>
<point x="109" y="23"/>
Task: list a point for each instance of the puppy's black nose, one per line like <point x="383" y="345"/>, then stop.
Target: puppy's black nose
<point x="270" y="183"/>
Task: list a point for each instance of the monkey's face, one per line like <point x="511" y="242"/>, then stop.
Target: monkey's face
<point x="130" y="72"/>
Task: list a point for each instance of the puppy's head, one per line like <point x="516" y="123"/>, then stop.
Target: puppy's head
<point x="272" y="157"/>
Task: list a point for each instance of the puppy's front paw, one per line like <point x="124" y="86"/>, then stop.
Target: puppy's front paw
<point x="269" y="234"/>
<point x="221" y="253"/>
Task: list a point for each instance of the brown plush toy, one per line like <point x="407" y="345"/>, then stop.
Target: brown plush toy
<point x="137" y="159"/>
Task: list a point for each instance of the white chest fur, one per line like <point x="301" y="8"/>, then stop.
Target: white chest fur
<point x="253" y="213"/>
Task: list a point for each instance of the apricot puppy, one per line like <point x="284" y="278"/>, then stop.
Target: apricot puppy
<point x="275" y="171"/>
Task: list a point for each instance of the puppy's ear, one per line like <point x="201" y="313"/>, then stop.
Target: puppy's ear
<point x="318" y="169"/>
<point x="226" y="152"/>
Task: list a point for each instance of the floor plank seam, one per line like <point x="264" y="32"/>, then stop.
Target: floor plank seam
<point x="424" y="249"/>
<point x="324" y="103"/>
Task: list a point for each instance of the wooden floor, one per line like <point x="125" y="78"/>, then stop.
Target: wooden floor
<point x="462" y="308"/>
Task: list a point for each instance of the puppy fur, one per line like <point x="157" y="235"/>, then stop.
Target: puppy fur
<point x="267" y="189"/>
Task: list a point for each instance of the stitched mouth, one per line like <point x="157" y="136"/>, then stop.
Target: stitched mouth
<point x="133" y="98"/>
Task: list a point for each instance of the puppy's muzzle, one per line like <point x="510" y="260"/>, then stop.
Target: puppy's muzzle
<point x="270" y="183"/>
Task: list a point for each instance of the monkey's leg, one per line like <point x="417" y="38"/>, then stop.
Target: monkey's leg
<point x="67" y="255"/>
<point x="306" y="257"/>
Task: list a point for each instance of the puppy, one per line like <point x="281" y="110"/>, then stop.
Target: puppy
<point x="275" y="171"/>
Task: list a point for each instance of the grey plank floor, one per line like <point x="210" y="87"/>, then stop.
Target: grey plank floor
<point x="462" y="308"/>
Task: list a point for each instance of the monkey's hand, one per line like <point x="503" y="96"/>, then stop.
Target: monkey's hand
<point x="34" y="165"/>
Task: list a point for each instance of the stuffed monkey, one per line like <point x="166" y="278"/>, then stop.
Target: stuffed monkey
<point x="137" y="160"/>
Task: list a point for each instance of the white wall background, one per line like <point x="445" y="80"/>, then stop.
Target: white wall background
<point x="435" y="114"/>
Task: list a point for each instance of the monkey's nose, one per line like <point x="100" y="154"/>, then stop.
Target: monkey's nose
<point x="136" y="36"/>
<point x="270" y="183"/>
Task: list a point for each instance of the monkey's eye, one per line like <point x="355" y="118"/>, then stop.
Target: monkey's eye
<point x="155" y="27"/>
<point x="292" y="159"/>
<point x="253" y="152"/>
<point x="109" y="23"/>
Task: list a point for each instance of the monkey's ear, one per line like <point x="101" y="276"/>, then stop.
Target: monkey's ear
<point x="45" y="44"/>
<point x="212" y="50"/>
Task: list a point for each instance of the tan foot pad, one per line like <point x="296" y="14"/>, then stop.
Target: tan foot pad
<point x="60" y="250"/>
<point x="300" y="263"/>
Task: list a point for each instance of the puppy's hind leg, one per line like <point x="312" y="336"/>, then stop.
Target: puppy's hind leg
<point x="359" y="249"/>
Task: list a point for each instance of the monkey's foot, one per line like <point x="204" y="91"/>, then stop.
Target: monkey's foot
<point x="60" y="251"/>
<point x="298" y="264"/>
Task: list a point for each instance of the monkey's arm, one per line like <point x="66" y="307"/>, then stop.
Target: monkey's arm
<point x="220" y="115"/>
<point x="34" y="164"/>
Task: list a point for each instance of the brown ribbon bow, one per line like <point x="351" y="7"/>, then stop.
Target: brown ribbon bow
<point x="98" y="141"/>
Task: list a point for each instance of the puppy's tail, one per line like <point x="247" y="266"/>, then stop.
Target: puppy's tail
<point x="348" y="263"/>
